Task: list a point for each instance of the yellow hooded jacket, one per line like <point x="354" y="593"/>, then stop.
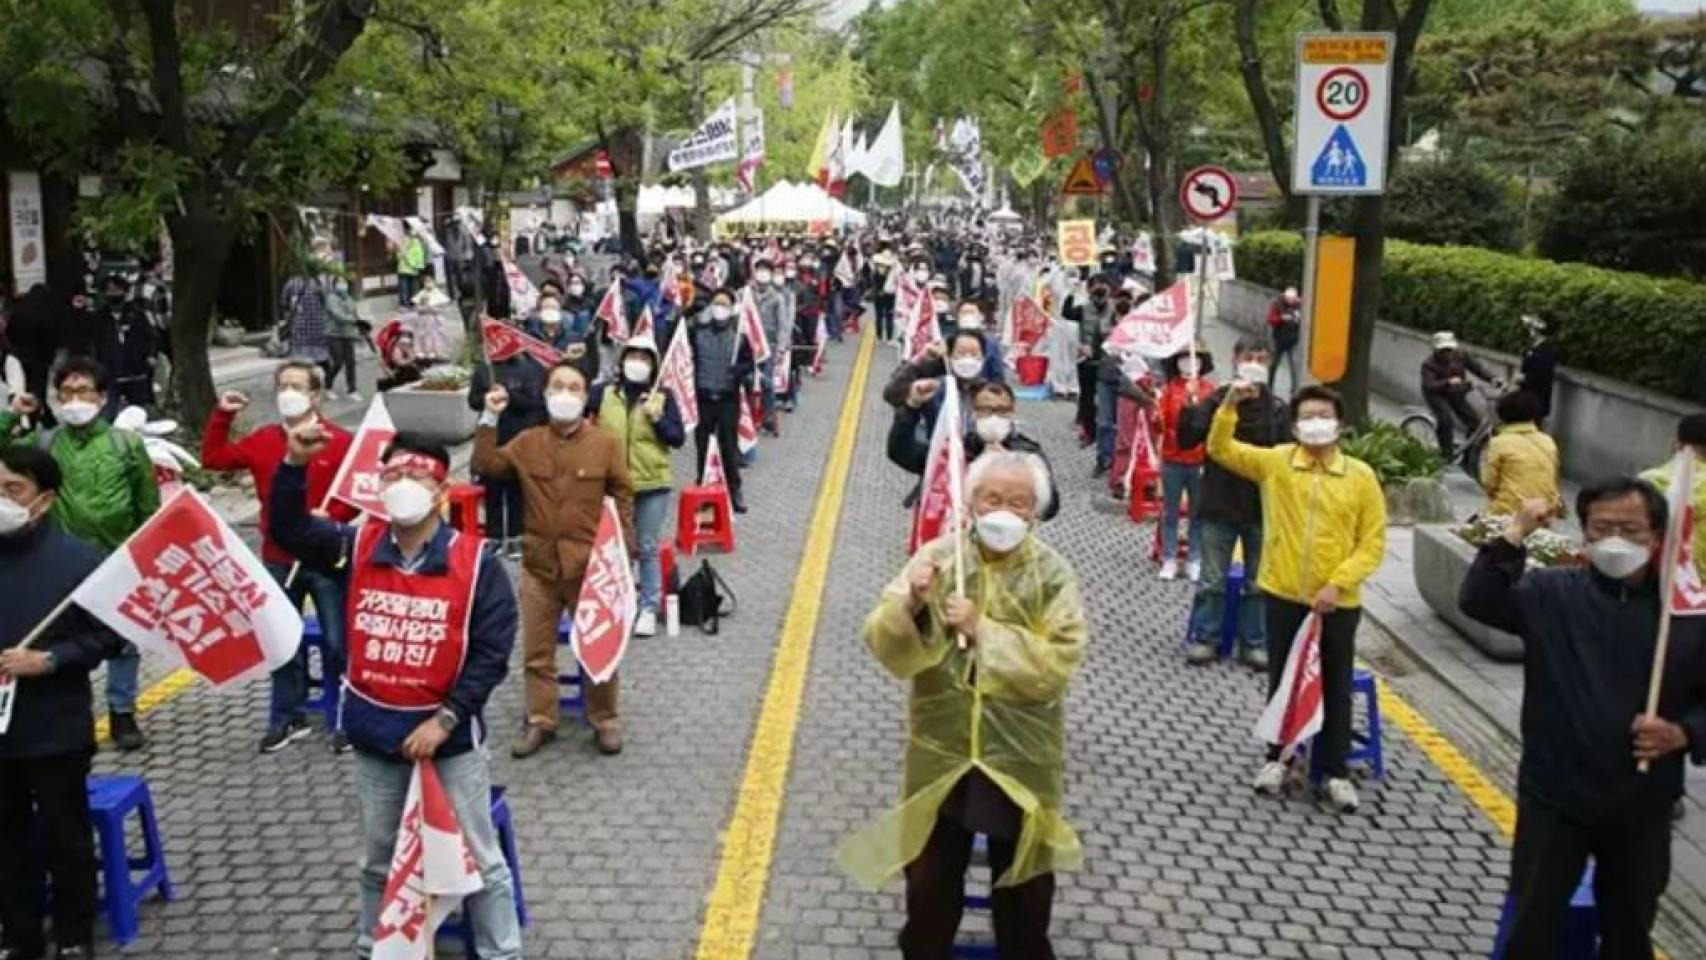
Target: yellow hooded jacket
<point x="998" y="706"/>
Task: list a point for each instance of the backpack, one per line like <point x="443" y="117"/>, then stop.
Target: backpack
<point x="705" y="599"/>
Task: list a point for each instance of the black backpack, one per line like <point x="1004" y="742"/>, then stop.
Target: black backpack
<point x="705" y="599"/>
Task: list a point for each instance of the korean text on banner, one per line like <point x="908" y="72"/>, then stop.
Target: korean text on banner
<point x="609" y="600"/>
<point x="504" y="342"/>
<point x="357" y="482"/>
<point x="939" y="494"/>
<point x="1158" y="329"/>
<point x="1077" y="241"/>
<point x="1295" y="712"/>
<point x="432" y="869"/>
<point x="1687" y="592"/>
<point x="675" y="374"/>
<point x="714" y="476"/>
<point x="186" y="587"/>
<point x="614" y="312"/>
<point x="713" y="142"/>
<point x="751" y="327"/>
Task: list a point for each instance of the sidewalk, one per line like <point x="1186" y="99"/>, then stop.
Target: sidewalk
<point x="1390" y="598"/>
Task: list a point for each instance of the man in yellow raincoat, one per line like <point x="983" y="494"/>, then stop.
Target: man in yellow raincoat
<point x="985" y="754"/>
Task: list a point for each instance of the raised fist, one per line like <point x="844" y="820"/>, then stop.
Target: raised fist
<point x="232" y="401"/>
<point x="497" y="399"/>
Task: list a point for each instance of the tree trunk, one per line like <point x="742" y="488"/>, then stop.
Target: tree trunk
<point x="1267" y="113"/>
<point x="201" y="246"/>
<point x="625" y="149"/>
<point x="1368" y="219"/>
<point x="701" y="183"/>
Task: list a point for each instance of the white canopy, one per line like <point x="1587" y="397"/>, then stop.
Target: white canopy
<point x="794" y="203"/>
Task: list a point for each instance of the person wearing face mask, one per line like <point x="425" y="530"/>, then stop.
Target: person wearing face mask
<point x="1520" y="462"/>
<point x="1230" y="510"/>
<point x="1096" y="319"/>
<point x="884" y="280"/>
<point x="297" y="391"/>
<point x="993" y="431"/>
<point x="1539" y="368"/>
<point x="1135" y="419"/>
<point x="523" y="378"/>
<point x="1691" y="436"/>
<point x="45" y="754"/>
<point x="1445" y="388"/>
<point x="566" y="468"/>
<point x="1285" y="328"/>
<point x="778" y="330"/>
<point x="646" y="421"/>
<point x="1589" y="636"/>
<point x="997" y="659"/>
<point x="414" y="576"/>
<point x="807" y="308"/>
<point x="722" y="371"/>
<point x="344" y="330"/>
<point x="1186" y="384"/>
<point x="1323" y="534"/>
<point x="108" y="491"/>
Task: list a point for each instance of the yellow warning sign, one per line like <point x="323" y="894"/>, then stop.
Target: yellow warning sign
<point x="1352" y="49"/>
<point x="1082" y="182"/>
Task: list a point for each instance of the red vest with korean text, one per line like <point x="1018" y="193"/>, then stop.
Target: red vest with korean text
<point x="408" y="632"/>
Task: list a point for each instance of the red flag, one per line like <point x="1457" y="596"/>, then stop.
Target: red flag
<point x="714" y="477"/>
<point x="609" y="600"/>
<point x="432" y="869"/>
<point x="503" y="342"/>
<point x="612" y="312"/>
<point x="752" y="327"/>
<point x="1030" y="323"/>
<point x="921" y="328"/>
<point x="1160" y="328"/>
<point x="746" y="432"/>
<point x="939" y="500"/>
<point x="1682" y="567"/>
<point x="643" y="326"/>
<point x="357" y="482"/>
<point x="669" y="281"/>
<point x="675" y="374"/>
<point x="1294" y="714"/>
<point x="784" y="370"/>
<point x="186" y="587"/>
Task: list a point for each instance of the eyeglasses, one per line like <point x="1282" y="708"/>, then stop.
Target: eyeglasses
<point x="67" y="394"/>
<point x="1601" y="529"/>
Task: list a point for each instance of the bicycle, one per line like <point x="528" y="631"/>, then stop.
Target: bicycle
<point x="1421" y="425"/>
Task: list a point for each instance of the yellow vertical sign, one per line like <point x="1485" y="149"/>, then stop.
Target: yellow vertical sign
<point x="1077" y="239"/>
<point x="1330" y="330"/>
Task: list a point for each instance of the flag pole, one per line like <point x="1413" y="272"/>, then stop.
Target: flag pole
<point x="47" y="621"/>
<point x="1667" y="579"/>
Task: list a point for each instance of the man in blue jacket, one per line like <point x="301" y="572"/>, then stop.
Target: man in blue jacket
<point x="45" y="751"/>
<point x="432" y="619"/>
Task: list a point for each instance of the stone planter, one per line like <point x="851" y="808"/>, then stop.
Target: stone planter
<point x="441" y="416"/>
<point x="1440" y="561"/>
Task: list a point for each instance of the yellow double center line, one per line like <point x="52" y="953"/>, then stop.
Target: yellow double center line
<point x="731" y="919"/>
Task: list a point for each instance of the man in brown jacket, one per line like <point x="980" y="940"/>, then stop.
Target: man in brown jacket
<point x="566" y="468"/>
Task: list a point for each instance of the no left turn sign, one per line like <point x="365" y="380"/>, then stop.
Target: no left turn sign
<point x="1208" y="193"/>
<point x="1342" y="94"/>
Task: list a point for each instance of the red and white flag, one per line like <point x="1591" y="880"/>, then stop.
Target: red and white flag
<point x="847" y="267"/>
<point x="921" y="327"/>
<point x="523" y="295"/>
<point x="357" y="482"/>
<point x="1294" y="713"/>
<point x="675" y="374"/>
<point x="185" y="587"/>
<point x="1029" y="324"/>
<point x="784" y="370"/>
<point x="940" y="498"/>
<point x="1682" y="568"/>
<point x="746" y="432"/>
<point x="714" y="477"/>
<point x="822" y="345"/>
<point x="669" y="282"/>
<point x="1158" y="329"/>
<point x="643" y="326"/>
<point x="609" y="600"/>
<point x="432" y="869"/>
<point x="752" y="327"/>
<point x="503" y="342"/>
<point x="613" y="313"/>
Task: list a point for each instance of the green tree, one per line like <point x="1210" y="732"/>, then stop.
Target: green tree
<point x="1631" y="203"/>
<point x="1452" y="202"/>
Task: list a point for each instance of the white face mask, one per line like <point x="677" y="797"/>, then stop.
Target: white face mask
<point x="720" y="312"/>
<point x="1188" y="367"/>
<point x="292" y="404"/>
<point x="967" y="368"/>
<point x="1252" y="373"/>
<point x="1617" y="558"/>
<point x="551" y="318"/>
<point x="407" y="501"/>
<point x="1001" y="530"/>
<point x="636" y="371"/>
<point x="565" y="407"/>
<point x="762" y="276"/>
<point x="995" y="428"/>
<point x="792" y="275"/>
<point x="777" y="280"/>
<point x="79" y="413"/>
<point x="971" y="321"/>
<point x="14" y="516"/>
<point x="941" y="305"/>
<point x="921" y="275"/>
<point x="1317" y="431"/>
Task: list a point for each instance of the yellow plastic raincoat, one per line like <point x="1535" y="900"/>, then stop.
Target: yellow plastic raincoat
<point x="998" y="706"/>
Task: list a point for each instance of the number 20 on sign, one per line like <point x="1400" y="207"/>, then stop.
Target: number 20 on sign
<point x="1077" y="240"/>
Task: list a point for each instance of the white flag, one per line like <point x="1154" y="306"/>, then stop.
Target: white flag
<point x="431" y="871"/>
<point x="713" y="142"/>
<point x="884" y="163"/>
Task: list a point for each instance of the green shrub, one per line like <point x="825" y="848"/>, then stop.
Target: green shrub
<point x="1452" y="202"/>
<point x="1631" y="327"/>
<point x="1631" y="203"/>
<point x="1396" y="456"/>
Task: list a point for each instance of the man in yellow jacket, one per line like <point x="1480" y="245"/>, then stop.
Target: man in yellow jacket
<point x="1323" y="534"/>
<point x="1690" y="435"/>
<point x="989" y="672"/>
<point x="1521" y="462"/>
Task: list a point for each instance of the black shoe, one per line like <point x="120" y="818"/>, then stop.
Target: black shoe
<point x="340" y="743"/>
<point x="739" y="502"/>
<point x="1100" y="471"/>
<point x="127" y="736"/>
<point x="284" y="735"/>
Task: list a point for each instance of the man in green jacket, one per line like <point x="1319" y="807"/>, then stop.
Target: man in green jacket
<point x="411" y="263"/>
<point x="108" y="492"/>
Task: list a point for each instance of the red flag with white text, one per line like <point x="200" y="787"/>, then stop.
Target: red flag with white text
<point x="643" y="326"/>
<point x="1158" y="329"/>
<point x="752" y="327"/>
<point x="357" y="482"/>
<point x="1029" y="323"/>
<point x="939" y="498"/>
<point x="609" y="600"/>
<point x="503" y="342"/>
<point x="714" y="477"/>
<point x="675" y="374"/>
<point x="186" y="587"/>
<point x="784" y="370"/>
<point x="432" y="869"/>
<point x="669" y="282"/>
<point x="613" y="313"/>
<point x="1294" y="713"/>
<point x="1682" y="570"/>
<point x="746" y="432"/>
<point x="921" y="327"/>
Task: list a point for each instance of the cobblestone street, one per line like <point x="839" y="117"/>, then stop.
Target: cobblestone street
<point x="619" y="856"/>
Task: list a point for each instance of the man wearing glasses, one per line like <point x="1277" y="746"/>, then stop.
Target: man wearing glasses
<point x="430" y="624"/>
<point x="108" y="492"/>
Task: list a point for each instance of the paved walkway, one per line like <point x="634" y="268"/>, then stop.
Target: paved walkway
<point x="622" y="856"/>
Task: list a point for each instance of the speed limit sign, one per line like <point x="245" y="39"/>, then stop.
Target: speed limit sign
<point x="1344" y="83"/>
<point x="1342" y="93"/>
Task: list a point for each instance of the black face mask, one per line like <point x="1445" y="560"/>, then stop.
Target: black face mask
<point x="1122" y="305"/>
<point x="1098" y="298"/>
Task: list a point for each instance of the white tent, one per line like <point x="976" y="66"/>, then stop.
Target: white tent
<point x="807" y="204"/>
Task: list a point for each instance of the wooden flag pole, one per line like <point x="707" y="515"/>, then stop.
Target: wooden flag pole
<point x="47" y="621"/>
<point x="1667" y="577"/>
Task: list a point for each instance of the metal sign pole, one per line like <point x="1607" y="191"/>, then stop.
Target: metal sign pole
<point x="1306" y="328"/>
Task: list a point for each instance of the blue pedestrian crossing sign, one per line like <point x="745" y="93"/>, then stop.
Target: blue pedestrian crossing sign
<point x="1340" y="163"/>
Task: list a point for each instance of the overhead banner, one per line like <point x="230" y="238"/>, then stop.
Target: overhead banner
<point x="714" y="141"/>
<point x="965" y="149"/>
<point x="29" y="250"/>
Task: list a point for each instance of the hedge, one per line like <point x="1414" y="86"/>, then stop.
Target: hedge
<point x="1631" y="327"/>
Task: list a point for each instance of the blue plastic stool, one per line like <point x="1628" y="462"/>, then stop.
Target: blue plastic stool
<point x="1365" y="747"/>
<point x="1038" y="392"/>
<point x="978" y="951"/>
<point x="456" y="926"/>
<point x="572" y="697"/>
<point x="325" y="688"/>
<point x="1581" y="924"/>
<point x="1234" y="587"/>
<point x="111" y="802"/>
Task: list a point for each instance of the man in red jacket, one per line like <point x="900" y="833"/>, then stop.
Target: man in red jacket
<point x="298" y="388"/>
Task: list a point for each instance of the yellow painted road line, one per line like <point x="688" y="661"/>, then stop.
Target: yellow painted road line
<point x="152" y="698"/>
<point x="731" y="918"/>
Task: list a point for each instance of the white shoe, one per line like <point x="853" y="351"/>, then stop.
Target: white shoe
<point x="1193" y="570"/>
<point x="646" y="624"/>
<point x="1270" y="779"/>
<point x="328" y="395"/>
<point x="1341" y="795"/>
<point x="354" y="398"/>
<point x="1170" y="570"/>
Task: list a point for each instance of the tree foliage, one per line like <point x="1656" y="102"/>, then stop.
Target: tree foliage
<point x="1453" y="202"/>
<point x="1631" y="203"/>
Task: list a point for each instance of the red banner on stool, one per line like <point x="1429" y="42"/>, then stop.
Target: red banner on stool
<point x="431" y="871"/>
<point x="604" y="615"/>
